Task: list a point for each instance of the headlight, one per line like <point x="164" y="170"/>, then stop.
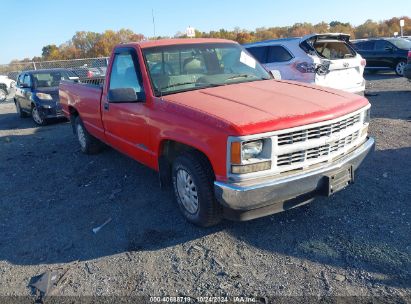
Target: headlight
<point x="44" y="96"/>
<point x="12" y="84"/>
<point x="251" y="149"/>
<point x="366" y="116"/>
<point x="250" y="156"/>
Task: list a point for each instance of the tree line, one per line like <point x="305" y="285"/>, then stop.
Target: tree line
<point x="90" y="44"/>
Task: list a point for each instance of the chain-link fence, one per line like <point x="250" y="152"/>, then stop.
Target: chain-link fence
<point x="87" y="68"/>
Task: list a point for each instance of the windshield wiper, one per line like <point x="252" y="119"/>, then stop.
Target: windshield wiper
<point x="246" y="76"/>
<point x="176" y="85"/>
<point x="238" y="76"/>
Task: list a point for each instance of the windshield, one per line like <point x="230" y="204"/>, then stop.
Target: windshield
<point x="49" y="79"/>
<point x="401" y="43"/>
<point x="180" y="68"/>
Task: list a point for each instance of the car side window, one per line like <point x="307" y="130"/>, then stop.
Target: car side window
<point x="278" y="53"/>
<point x="20" y="79"/>
<point x="381" y="45"/>
<point x="27" y="80"/>
<point x="259" y="53"/>
<point x="368" y="46"/>
<point x="358" y="45"/>
<point x="124" y="73"/>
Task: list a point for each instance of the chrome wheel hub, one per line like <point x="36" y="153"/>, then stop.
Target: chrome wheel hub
<point x="187" y="191"/>
<point x="36" y="116"/>
<point x="400" y="68"/>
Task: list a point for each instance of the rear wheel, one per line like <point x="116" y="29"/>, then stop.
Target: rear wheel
<point x="37" y="118"/>
<point x="193" y="188"/>
<point x="88" y="143"/>
<point x="399" y="68"/>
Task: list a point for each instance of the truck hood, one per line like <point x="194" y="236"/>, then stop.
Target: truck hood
<point x="270" y="105"/>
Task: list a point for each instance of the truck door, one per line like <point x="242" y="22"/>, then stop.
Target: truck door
<point x="126" y="122"/>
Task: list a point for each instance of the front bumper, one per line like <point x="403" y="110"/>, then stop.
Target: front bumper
<point x="270" y="195"/>
<point x="48" y="112"/>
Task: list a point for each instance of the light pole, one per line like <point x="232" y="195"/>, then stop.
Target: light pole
<point x="402" y="23"/>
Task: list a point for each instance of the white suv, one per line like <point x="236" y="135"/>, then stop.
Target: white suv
<point x="327" y="60"/>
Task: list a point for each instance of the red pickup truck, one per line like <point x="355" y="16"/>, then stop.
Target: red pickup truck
<point x="232" y="141"/>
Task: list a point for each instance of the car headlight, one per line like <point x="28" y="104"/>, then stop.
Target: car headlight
<point x="251" y="149"/>
<point x="44" y="96"/>
<point x="12" y="84"/>
<point x="250" y="156"/>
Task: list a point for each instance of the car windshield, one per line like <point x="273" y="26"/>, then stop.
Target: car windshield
<point x="49" y="79"/>
<point x="401" y="43"/>
<point x="180" y="68"/>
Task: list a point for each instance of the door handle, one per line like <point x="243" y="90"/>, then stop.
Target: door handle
<point x="106" y="106"/>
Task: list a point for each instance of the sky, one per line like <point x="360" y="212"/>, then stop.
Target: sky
<point x="28" y="25"/>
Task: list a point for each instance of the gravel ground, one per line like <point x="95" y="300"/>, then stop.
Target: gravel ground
<point x="357" y="243"/>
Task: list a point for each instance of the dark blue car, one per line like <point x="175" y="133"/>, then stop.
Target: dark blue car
<point x="384" y="53"/>
<point x="37" y="94"/>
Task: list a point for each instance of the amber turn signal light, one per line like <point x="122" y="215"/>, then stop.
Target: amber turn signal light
<point x="236" y="153"/>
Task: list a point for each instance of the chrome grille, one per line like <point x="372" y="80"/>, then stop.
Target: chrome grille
<point x="317" y="132"/>
<point x="316" y="153"/>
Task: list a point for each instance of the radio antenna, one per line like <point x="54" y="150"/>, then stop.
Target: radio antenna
<point x="154" y="22"/>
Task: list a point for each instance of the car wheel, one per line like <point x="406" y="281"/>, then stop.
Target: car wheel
<point x="20" y="112"/>
<point x="399" y="68"/>
<point x="192" y="178"/>
<point x="88" y="143"/>
<point x="35" y="114"/>
<point x="3" y="95"/>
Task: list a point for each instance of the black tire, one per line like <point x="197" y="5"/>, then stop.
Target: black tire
<point x="35" y="115"/>
<point x="209" y="211"/>
<point x="3" y="95"/>
<point x="19" y="111"/>
<point x="399" y="67"/>
<point x="88" y="143"/>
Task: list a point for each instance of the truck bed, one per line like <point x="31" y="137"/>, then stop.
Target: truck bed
<point x="86" y="99"/>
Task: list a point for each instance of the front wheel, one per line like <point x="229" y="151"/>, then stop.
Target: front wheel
<point x="37" y="118"/>
<point x="88" y="143"/>
<point x="193" y="188"/>
<point x="399" y="68"/>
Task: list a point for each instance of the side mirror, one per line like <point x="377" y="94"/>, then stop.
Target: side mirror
<point x="389" y="48"/>
<point x="124" y="95"/>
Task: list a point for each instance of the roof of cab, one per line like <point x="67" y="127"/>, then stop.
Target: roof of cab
<point x="166" y="42"/>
